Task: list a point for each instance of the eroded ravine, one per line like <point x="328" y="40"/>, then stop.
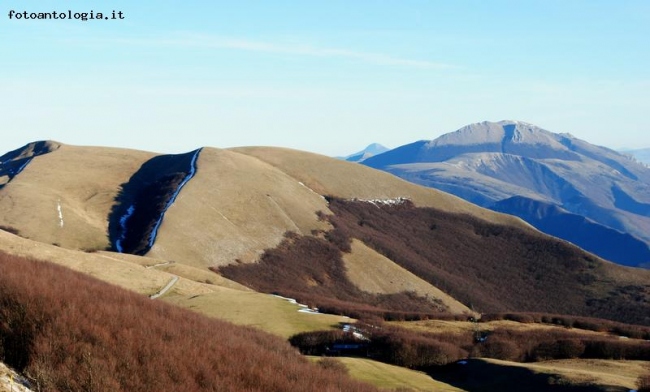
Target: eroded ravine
<point x="142" y="202"/>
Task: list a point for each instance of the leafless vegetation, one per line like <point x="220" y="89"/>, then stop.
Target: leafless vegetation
<point x="586" y="323"/>
<point x="69" y="332"/>
<point x="421" y="350"/>
<point x="311" y="270"/>
<point x="472" y="260"/>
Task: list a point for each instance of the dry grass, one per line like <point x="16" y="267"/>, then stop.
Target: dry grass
<point x="347" y="180"/>
<point x="85" y="180"/>
<point x="235" y="207"/>
<point x="587" y="371"/>
<point x="262" y="311"/>
<point x="390" y="377"/>
<point x="375" y="273"/>
<point x="195" y="274"/>
<point x="102" y="266"/>
<point x="222" y="299"/>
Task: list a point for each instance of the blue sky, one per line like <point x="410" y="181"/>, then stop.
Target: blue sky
<point x="323" y="76"/>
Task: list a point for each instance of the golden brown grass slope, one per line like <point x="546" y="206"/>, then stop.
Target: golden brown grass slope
<point x="235" y="207"/>
<point x="199" y="290"/>
<point x="82" y="181"/>
<point x="375" y="273"/>
<point x="239" y="203"/>
<point x="342" y="179"/>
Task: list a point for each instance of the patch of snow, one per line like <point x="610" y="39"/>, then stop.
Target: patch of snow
<point x="304" y="308"/>
<point x="123" y="219"/>
<point x="356" y="332"/>
<point x="312" y="191"/>
<point x="58" y="208"/>
<point x="384" y="202"/>
<point x="309" y="311"/>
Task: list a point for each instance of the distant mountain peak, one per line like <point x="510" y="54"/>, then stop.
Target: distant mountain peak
<point x="371" y="150"/>
<point x="488" y="162"/>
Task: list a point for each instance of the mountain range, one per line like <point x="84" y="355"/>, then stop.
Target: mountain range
<point x="244" y="234"/>
<point x="592" y="196"/>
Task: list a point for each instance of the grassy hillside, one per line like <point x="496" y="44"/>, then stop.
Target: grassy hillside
<point x="199" y="290"/>
<point x="54" y="332"/>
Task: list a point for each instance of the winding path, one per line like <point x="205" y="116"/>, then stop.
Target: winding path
<point x="165" y="289"/>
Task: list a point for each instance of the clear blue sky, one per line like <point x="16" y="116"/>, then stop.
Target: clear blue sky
<point x="323" y="76"/>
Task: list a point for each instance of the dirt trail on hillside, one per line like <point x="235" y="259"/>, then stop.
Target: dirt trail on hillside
<point x="165" y="289"/>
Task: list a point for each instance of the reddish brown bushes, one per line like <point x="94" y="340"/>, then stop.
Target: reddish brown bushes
<point x="415" y="349"/>
<point x="311" y="270"/>
<point x="586" y="323"/>
<point x="69" y="332"/>
<point x="470" y="259"/>
<point x="387" y="344"/>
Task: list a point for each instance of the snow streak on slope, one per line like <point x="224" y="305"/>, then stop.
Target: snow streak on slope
<point x="123" y="219"/>
<point x="154" y="232"/>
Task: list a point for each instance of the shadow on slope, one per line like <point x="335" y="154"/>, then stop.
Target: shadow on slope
<point x="627" y="203"/>
<point x="610" y="244"/>
<point x="13" y="162"/>
<point x="481" y="376"/>
<point x="141" y="203"/>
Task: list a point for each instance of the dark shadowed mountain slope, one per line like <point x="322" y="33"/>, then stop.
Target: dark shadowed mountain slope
<point x="591" y="236"/>
<point x="13" y="162"/>
<point x="141" y="205"/>
<point x="487" y="163"/>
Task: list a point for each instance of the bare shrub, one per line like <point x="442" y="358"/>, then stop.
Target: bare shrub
<point x="70" y="332"/>
<point x="643" y="383"/>
<point x="332" y="364"/>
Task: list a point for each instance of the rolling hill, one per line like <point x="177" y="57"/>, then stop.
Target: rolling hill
<point x="230" y="211"/>
<point x="226" y="227"/>
<point x="491" y="163"/>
